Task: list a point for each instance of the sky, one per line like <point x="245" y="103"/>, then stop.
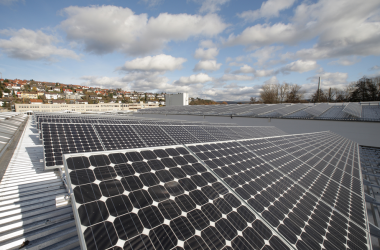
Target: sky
<point x="222" y="50"/>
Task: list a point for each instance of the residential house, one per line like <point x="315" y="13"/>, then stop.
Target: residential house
<point x="35" y="101"/>
<point x="58" y="102"/>
<point x="16" y="86"/>
<point x="73" y="96"/>
<point x="67" y="91"/>
<point x="29" y="95"/>
<point x="50" y="96"/>
<point x="81" y="102"/>
<point x="79" y="91"/>
<point x="58" y="89"/>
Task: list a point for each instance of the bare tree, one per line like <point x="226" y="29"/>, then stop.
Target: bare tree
<point x="252" y="100"/>
<point x="341" y="95"/>
<point x="283" y="91"/>
<point x="295" y="93"/>
<point x="331" y="94"/>
<point x="269" y="93"/>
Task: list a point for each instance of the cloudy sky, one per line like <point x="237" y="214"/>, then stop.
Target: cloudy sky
<point x="216" y="49"/>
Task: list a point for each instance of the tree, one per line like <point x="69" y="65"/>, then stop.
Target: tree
<point x="269" y="93"/>
<point x="1" y="94"/>
<point x="295" y="94"/>
<point x="252" y="100"/>
<point x="34" y="89"/>
<point x="341" y="96"/>
<point x="318" y="98"/>
<point x="283" y="91"/>
<point x="110" y="95"/>
<point x="365" y="90"/>
<point x="330" y="95"/>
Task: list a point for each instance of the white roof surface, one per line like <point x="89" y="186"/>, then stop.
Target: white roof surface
<point x="28" y="201"/>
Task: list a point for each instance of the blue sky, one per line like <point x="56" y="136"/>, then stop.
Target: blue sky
<point x="215" y="49"/>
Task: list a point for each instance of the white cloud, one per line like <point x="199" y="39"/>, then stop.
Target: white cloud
<point x="207" y="44"/>
<point x="160" y="62"/>
<point x="233" y="77"/>
<point x="246" y="69"/>
<point x="265" y="53"/>
<point x="193" y="79"/>
<point x="211" y="6"/>
<point x="105" y="29"/>
<point x="104" y="82"/>
<point x="343" y="28"/>
<point x="206" y="54"/>
<point x="272" y="80"/>
<point x="33" y="45"/>
<point x="376" y="67"/>
<point x="208" y="65"/>
<point x="263" y="72"/>
<point x="299" y="66"/>
<point x="328" y="80"/>
<point x="231" y="93"/>
<point x="269" y="9"/>
<point x="345" y="61"/>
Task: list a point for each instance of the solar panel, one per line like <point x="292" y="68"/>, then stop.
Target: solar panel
<point x="67" y="138"/>
<point x="61" y="138"/>
<point x="310" y="209"/>
<point x="201" y="134"/>
<point x="180" y="134"/>
<point x="318" y="109"/>
<point x="118" y="137"/>
<point x="354" y="109"/>
<point x="159" y="198"/>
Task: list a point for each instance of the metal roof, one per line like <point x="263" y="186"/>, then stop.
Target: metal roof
<point x="33" y="210"/>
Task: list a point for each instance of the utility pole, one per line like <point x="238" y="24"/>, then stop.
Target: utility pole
<point x="319" y="86"/>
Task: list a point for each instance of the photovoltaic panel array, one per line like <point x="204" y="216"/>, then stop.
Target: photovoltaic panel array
<point x="306" y="189"/>
<point x="85" y="137"/>
<point x="354" y="109"/>
<point x="274" y="205"/>
<point x="349" y="111"/>
<point x="159" y="198"/>
<point x="318" y="109"/>
<point x="60" y="139"/>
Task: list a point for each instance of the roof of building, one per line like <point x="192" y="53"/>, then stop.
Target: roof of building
<point x="36" y="100"/>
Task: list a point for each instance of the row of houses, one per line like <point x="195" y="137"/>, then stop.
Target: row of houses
<point x="19" y="85"/>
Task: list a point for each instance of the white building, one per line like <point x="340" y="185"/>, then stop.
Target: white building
<point x="51" y="96"/>
<point x="181" y="99"/>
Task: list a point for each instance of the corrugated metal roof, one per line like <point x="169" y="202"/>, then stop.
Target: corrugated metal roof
<point x="31" y="209"/>
<point x="9" y="123"/>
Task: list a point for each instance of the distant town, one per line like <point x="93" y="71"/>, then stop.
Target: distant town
<point x="16" y="91"/>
